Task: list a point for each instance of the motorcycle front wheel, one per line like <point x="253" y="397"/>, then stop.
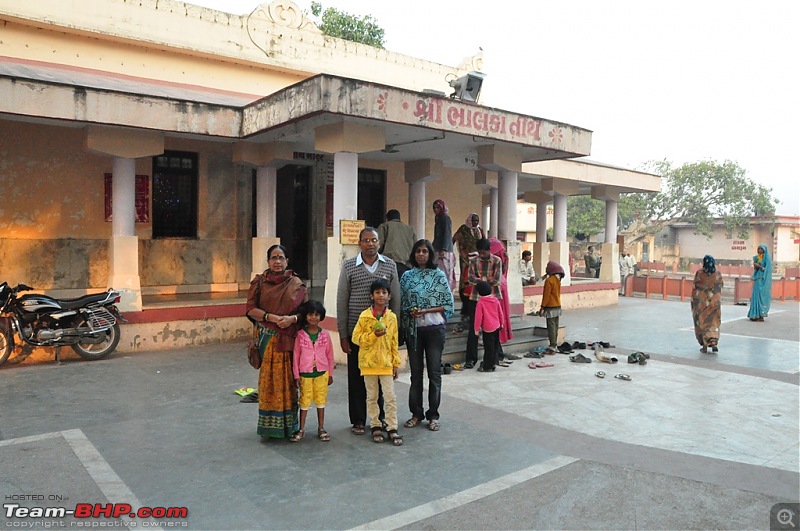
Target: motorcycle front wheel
<point x="98" y="351"/>
<point x="5" y="343"/>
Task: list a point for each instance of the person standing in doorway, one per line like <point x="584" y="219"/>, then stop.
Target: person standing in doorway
<point x="396" y="238"/>
<point x="352" y="298"/>
<point x="443" y="242"/>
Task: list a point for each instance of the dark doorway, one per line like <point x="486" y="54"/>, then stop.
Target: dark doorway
<point x="293" y="212"/>
<point x="371" y="196"/>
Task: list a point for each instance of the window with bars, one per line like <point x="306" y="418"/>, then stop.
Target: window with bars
<point x="175" y="195"/>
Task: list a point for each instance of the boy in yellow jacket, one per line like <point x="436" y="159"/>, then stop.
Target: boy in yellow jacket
<point x="376" y="335"/>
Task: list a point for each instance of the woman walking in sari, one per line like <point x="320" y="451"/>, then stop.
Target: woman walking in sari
<point x="272" y="304"/>
<point x="706" y="304"/>
<point x="443" y="242"/>
<point x="762" y="285"/>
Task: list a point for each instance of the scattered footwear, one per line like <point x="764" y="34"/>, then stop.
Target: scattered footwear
<point x="244" y="391"/>
<point x="469" y="365"/>
<point x="251" y="398"/>
<point x="502" y="364"/>
<point x="512" y="357"/>
<point x="602" y="356"/>
<point x="413" y="422"/>
<point x="357" y="429"/>
<point x="622" y="377"/>
<point x="534" y="355"/>
<point x="297" y="436"/>
<point x="481" y="369"/>
<point x="323" y="435"/>
<point x="600" y="374"/>
<point x="579" y="358"/>
<point x="638" y="357"/>
<point x="433" y="425"/>
<point x="551" y="351"/>
<point x="542" y="364"/>
<point x="579" y="345"/>
<point x="565" y="348"/>
<point x="447" y="368"/>
<point x="458" y="367"/>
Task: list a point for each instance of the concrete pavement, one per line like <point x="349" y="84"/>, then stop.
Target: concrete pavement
<point x="692" y="441"/>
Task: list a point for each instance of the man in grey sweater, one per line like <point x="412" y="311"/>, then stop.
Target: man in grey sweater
<point x="352" y="298"/>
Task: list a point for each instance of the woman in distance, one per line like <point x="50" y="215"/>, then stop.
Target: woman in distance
<point x="273" y="302"/>
<point x="443" y="242"/>
<point x="762" y="285"/>
<point x="706" y="305"/>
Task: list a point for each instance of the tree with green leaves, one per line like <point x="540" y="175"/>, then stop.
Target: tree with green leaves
<point x="697" y="193"/>
<point x="335" y="23"/>
<point x="701" y="192"/>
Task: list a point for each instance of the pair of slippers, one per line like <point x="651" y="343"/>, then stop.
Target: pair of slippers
<point x="639" y="357"/>
<point x="564" y="348"/>
<point x="539" y="364"/>
<point x="621" y="376"/>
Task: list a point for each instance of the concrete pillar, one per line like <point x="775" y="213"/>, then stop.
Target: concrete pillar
<point x="123" y="197"/>
<point x="541" y="221"/>
<point x="416" y="207"/>
<point x="507" y="205"/>
<point x="559" y="218"/>
<point x="514" y="251"/>
<point x="491" y="213"/>
<point x="345" y="188"/>
<point x="123" y="247"/>
<point x="559" y="252"/>
<point x="609" y="270"/>
<point x="266" y="191"/>
<point x="611" y="221"/>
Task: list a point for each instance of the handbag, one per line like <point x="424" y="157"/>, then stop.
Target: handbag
<point x="253" y="354"/>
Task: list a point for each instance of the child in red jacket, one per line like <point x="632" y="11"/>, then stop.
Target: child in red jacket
<point x="489" y="318"/>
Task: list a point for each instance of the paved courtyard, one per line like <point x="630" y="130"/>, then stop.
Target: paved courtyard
<point x="692" y="441"/>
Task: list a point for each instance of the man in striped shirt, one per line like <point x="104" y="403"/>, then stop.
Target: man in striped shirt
<point x="489" y="268"/>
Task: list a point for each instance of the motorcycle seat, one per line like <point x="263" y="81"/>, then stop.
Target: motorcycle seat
<point x="71" y="304"/>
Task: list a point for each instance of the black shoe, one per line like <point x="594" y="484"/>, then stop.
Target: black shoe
<point x="469" y="365"/>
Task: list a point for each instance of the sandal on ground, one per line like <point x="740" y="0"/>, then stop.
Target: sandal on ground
<point x="458" y="367"/>
<point x="323" y="435"/>
<point x="579" y="358"/>
<point x="469" y="365"/>
<point x="395" y="437"/>
<point x="297" y="436"/>
<point x="600" y="374"/>
<point x="542" y="364"/>
<point x="357" y="429"/>
<point x="534" y="355"/>
<point x="433" y="425"/>
<point x="481" y="369"/>
<point x="503" y="364"/>
<point x="622" y="377"/>
<point x="249" y="399"/>
<point x="377" y="435"/>
<point x="413" y="422"/>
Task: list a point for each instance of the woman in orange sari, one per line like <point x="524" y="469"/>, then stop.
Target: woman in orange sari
<point x="272" y="304"/>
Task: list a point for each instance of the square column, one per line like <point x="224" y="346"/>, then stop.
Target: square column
<point x="559" y="252"/>
<point x="609" y="270"/>
<point x="540" y="257"/>
<point x="123" y="247"/>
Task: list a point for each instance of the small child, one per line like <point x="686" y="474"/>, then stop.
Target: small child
<point x="489" y="318"/>
<point x="378" y="359"/>
<point x="551" y="302"/>
<point x="312" y="367"/>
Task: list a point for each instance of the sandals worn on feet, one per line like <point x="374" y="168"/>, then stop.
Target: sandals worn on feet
<point x="433" y="425"/>
<point x="377" y="435"/>
<point x="297" y="436"/>
<point x="323" y="435"/>
<point x="357" y="429"/>
<point x="413" y="422"/>
<point x="395" y="437"/>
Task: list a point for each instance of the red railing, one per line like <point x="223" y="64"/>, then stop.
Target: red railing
<point x="671" y="286"/>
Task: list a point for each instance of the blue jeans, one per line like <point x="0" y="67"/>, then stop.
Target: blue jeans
<point x="430" y="343"/>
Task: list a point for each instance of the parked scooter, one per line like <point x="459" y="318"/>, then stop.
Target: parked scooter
<point x="88" y="324"/>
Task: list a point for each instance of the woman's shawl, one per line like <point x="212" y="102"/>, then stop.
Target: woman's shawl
<point x="281" y="294"/>
<point x="497" y="248"/>
<point x="422" y="288"/>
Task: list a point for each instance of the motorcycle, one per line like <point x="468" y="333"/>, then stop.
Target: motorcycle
<point x="88" y="324"/>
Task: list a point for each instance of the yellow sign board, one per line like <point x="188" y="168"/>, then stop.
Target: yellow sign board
<point x="349" y="230"/>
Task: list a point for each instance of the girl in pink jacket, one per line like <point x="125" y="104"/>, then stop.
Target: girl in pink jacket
<point x="489" y="318"/>
<point x="312" y="367"/>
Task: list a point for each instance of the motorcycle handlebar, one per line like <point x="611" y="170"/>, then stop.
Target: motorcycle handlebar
<point x="23" y="287"/>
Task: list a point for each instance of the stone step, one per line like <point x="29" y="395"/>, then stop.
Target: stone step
<point x="521" y="325"/>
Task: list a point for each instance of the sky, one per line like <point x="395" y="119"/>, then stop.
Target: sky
<point x="682" y="81"/>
